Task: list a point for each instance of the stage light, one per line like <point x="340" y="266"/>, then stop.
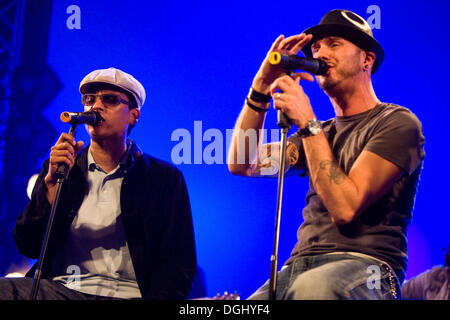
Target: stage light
<point x="15" y="275"/>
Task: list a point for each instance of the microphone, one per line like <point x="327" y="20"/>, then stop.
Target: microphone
<point x="294" y="62"/>
<point x="74" y="118"/>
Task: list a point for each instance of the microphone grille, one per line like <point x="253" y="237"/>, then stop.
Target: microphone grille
<point x="275" y="58"/>
<point x="323" y="67"/>
<point x="65" y="117"/>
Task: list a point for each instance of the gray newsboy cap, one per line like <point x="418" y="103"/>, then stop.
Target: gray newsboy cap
<point x="113" y="77"/>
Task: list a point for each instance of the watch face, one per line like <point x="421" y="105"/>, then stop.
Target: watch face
<point x="314" y="127"/>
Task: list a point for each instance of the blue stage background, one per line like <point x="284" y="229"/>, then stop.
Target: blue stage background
<point x="197" y="60"/>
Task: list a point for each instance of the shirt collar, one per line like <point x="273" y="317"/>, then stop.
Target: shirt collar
<point x="123" y="165"/>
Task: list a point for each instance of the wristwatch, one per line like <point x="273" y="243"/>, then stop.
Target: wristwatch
<point x="313" y="128"/>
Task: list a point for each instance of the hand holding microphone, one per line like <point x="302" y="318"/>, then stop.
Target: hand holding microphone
<point x="268" y="72"/>
<point x="63" y="154"/>
<point x="291" y="63"/>
<point x="282" y="59"/>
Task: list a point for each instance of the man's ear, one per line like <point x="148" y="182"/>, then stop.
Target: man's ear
<point x="369" y="59"/>
<point x="135" y="113"/>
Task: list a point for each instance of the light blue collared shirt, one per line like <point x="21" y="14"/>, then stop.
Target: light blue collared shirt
<point x="96" y="246"/>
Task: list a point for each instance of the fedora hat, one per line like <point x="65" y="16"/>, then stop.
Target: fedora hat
<point x="351" y="27"/>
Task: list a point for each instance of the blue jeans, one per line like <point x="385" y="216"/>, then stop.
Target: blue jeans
<point x="337" y="276"/>
<point x="20" y="289"/>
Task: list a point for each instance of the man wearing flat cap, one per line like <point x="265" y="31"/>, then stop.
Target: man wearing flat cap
<point x="363" y="166"/>
<point x="123" y="226"/>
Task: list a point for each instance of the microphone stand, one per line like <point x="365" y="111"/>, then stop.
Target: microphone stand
<point x="62" y="172"/>
<point x="285" y="124"/>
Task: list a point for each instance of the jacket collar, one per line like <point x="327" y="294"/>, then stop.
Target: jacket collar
<point x="132" y="154"/>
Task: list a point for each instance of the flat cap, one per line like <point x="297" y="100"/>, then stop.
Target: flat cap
<point x="114" y="78"/>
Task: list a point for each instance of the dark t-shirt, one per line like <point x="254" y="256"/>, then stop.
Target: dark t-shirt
<point x="395" y="134"/>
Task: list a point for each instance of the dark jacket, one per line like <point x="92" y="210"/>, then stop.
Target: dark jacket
<point x="156" y="216"/>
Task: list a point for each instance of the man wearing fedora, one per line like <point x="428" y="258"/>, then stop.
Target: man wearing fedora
<point x="123" y="228"/>
<point x="363" y="166"/>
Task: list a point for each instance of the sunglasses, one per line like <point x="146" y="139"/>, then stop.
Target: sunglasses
<point x="107" y="99"/>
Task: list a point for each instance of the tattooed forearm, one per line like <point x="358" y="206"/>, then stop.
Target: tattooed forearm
<point x="292" y="154"/>
<point x="335" y="173"/>
<point x="269" y="158"/>
<point x="265" y="158"/>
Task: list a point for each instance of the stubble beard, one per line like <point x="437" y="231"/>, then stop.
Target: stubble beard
<point x="339" y="73"/>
